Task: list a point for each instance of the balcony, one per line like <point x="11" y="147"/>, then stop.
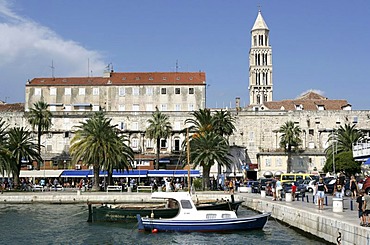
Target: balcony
<point x="361" y="151"/>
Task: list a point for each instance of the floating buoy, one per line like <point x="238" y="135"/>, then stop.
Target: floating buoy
<point x="154" y="231"/>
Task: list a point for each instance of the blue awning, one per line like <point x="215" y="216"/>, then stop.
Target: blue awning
<point x="172" y="173"/>
<point x="76" y="173"/>
<point x="367" y="162"/>
<point x="131" y="173"/>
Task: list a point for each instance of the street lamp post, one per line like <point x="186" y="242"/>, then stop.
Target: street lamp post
<point x="333" y="141"/>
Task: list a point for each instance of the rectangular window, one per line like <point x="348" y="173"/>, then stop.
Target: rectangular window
<point x="177" y="144"/>
<point x="163" y="91"/>
<point x="96" y="108"/>
<point x="177" y="90"/>
<point x="135" y="143"/>
<point x="191" y="90"/>
<point x="121" y="91"/>
<point x="81" y="91"/>
<point x="67" y="108"/>
<point x="135" y="126"/>
<point x="53" y="108"/>
<point x="311" y="132"/>
<point x="135" y="107"/>
<point x="177" y="107"/>
<point x="191" y="107"/>
<point x="67" y="91"/>
<point x="149" y="143"/>
<point x="278" y="162"/>
<point x="121" y="107"/>
<point x="267" y="162"/>
<point x="66" y="134"/>
<point x="163" y="143"/>
<point x="163" y="107"/>
<point x="95" y="91"/>
<point x="53" y="91"/>
<point x="135" y="91"/>
<point x="149" y="107"/>
<point x="122" y="126"/>
<point x="149" y="91"/>
<point x="37" y="91"/>
<point x="177" y="126"/>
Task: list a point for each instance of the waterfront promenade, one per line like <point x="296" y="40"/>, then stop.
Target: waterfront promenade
<point x="326" y="224"/>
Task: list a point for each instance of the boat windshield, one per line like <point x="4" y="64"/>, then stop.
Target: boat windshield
<point x="186" y="204"/>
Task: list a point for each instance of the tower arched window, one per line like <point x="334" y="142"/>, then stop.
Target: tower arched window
<point x="258" y="99"/>
<point x="265" y="97"/>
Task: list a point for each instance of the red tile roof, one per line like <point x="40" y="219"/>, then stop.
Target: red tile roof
<point x="309" y="102"/>
<point x="127" y="78"/>
<point x="16" y="107"/>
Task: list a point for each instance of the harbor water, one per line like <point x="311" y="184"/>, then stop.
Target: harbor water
<point x="67" y="224"/>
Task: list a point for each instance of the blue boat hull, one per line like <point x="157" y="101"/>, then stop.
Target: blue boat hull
<point x="212" y="225"/>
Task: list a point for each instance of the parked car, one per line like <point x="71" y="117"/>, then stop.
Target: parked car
<point x="263" y="182"/>
<point x="254" y="184"/>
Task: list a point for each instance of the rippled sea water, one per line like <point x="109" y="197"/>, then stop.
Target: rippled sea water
<point x="66" y="224"/>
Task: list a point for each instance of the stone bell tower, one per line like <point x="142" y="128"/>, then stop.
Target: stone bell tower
<point x="260" y="64"/>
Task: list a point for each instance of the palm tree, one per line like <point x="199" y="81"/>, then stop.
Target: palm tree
<point x="202" y="121"/>
<point x="4" y="152"/>
<point x="341" y="141"/>
<point x="343" y="138"/>
<point x="207" y="149"/>
<point x="159" y="128"/>
<point x="97" y="144"/>
<point x="290" y="140"/>
<point x="223" y="123"/>
<point x="124" y="157"/>
<point x="21" y="147"/>
<point x="40" y="117"/>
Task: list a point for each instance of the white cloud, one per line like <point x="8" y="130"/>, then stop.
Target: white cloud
<point x="317" y="91"/>
<point x="27" y="50"/>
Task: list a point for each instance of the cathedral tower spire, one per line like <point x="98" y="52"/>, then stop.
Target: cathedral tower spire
<point x="260" y="63"/>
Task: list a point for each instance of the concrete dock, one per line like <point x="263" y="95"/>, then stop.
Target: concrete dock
<point x="334" y="227"/>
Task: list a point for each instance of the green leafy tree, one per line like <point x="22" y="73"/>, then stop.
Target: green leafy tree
<point x="21" y="147"/>
<point x="96" y="143"/>
<point x="343" y="161"/>
<point x="159" y="128"/>
<point x="206" y="150"/>
<point x="290" y="140"/>
<point x="341" y="141"/>
<point x="40" y="118"/>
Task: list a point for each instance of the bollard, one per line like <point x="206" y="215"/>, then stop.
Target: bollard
<point x="307" y="198"/>
<point x="351" y="205"/>
<point x="326" y="200"/>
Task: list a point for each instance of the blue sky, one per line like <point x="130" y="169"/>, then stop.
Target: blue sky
<point x="317" y="45"/>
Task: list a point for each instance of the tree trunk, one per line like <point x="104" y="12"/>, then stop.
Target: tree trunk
<point x="96" y="178"/>
<point x="39" y="145"/>
<point x="205" y="183"/>
<point x="289" y="162"/>
<point x="158" y="151"/>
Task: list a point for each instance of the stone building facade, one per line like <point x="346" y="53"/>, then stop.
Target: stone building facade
<point x="120" y="91"/>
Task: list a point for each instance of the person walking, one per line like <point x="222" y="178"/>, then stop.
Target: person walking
<point x="353" y="187"/>
<point x="366" y="208"/>
<point x="279" y="188"/>
<point x="360" y="207"/>
<point x="320" y="192"/>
